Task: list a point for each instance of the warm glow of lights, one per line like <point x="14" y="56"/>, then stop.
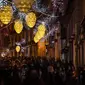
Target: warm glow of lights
<point x="40" y="33"/>
<point x="31" y="19"/>
<point x="6" y="14"/>
<point x="41" y="48"/>
<point x="23" y="5"/>
<point x="38" y="36"/>
<point x="41" y="27"/>
<point x="36" y="40"/>
<point x="18" y="48"/>
<point x="18" y="26"/>
<point x="41" y="44"/>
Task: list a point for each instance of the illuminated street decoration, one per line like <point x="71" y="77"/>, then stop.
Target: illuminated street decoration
<point x="23" y="5"/>
<point x="40" y="33"/>
<point x="36" y="39"/>
<point x="31" y="19"/>
<point x="18" y="26"/>
<point x="38" y="36"/>
<point x="41" y="27"/>
<point x="23" y="10"/>
<point x="18" y="48"/>
<point x="6" y="14"/>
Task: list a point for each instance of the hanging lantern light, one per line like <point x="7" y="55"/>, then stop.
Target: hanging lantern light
<point x="41" y="27"/>
<point x="6" y="14"/>
<point x="18" y="48"/>
<point x="41" y="34"/>
<point x="18" y="26"/>
<point x="36" y="40"/>
<point x="23" y="5"/>
<point x="38" y="36"/>
<point x="31" y="19"/>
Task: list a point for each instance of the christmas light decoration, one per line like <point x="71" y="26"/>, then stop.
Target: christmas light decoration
<point x="6" y="14"/>
<point x="23" y="5"/>
<point x="18" y="26"/>
<point x="40" y="33"/>
<point x="31" y="19"/>
<point x="18" y="48"/>
<point x="41" y="27"/>
<point x="36" y="39"/>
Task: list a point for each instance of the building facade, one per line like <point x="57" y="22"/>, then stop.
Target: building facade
<point x="74" y="46"/>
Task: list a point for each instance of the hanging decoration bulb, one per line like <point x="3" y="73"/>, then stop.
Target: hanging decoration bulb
<point x="36" y="40"/>
<point x="18" y="48"/>
<point x="41" y="30"/>
<point x="23" y="5"/>
<point x="41" y="27"/>
<point x="31" y="19"/>
<point x="6" y="14"/>
<point x="40" y="33"/>
<point x="18" y="26"/>
<point x="38" y="36"/>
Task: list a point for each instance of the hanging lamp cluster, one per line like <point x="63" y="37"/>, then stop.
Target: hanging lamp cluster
<point x="16" y="10"/>
<point x="30" y="21"/>
<point x="23" y="12"/>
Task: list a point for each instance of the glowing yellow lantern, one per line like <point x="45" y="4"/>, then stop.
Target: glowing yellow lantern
<point x="18" y="26"/>
<point x="41" y="27"/>
<point x="36" y="40"/>
<point x="18" y="48"/>
<point x="6" y="14"/>
<point x="31" y="19"/>
<point x="38" y="36"/>
<point x="23" y="5"/>
<point x="41" y="33"/>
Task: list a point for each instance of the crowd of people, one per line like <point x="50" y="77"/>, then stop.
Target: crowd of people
<point x="39" y="71"/>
